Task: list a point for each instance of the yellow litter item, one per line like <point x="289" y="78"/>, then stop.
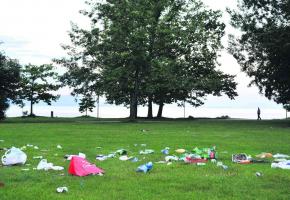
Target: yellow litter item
<point x="180" y="150"/>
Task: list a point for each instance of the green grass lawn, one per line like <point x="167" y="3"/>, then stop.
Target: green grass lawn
<point x="176" y="181"/>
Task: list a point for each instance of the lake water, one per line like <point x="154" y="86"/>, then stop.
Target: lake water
<point x="173" y="111"/>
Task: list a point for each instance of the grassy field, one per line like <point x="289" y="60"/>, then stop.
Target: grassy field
<point x="176" y="181"/>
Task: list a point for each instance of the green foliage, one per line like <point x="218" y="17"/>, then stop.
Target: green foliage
<point x="37" y="83"/>
<point x="137" y="52"/>
<point x="87" y="104"/>
<point x="287" y="107"/>
<point x="264" y="45"/>
<point x="9" y="83"/>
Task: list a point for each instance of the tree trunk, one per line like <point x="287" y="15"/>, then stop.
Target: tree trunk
<point x="134" y="98"/>
<point x="160" y="110"/>
<point x="150" y="109"/>
<point x="133" y="107"/>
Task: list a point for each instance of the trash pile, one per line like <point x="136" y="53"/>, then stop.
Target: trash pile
<point x="79" y="166"/>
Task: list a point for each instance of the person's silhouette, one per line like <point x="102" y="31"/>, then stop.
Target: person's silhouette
<point x="259" y="114"/>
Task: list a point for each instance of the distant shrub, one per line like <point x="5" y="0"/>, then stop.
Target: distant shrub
<point x="223" y="117"/>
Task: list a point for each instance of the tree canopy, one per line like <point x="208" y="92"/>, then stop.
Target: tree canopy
<point x="38" y="83"/>
<point x="9" y="82"/>
<point x="148" y="51"/>
<point x="263" y="47"/>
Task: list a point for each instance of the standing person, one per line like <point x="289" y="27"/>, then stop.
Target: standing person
<point x="259" y="113"/>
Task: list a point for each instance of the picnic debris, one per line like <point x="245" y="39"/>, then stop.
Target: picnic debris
<point x="61" y="189"/>
<point x="14" y="156"/>
<point x="264" y="155"/>
<point x="281" y="165"/>
<point x="146" y="151"/>
<point x="81" y="167"/>
<point x="37" y="157"/>
<point x="145" y="168"/>
<point x="68" y="157"/>
<point x="281" y="156"/>
<point x="180" y="150"/>
<point x="59" y="146"/>
<point x="241" y="158"/>
<point x="171" y="158"/>
<point x="125" y="158"/>
<point x="44" y="165"/>
<point x="121" y="152"/>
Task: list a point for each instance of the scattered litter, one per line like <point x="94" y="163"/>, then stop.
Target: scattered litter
<point x="14" y="156"/>
<point x="280" y="159"/>
<point x="61" y="189"/>
<point x="143" y="145"/>
<point x="145" y="168"/>
<point x="147" y="151"/>
<point x="264" y="155"/>
<point x="125" y="158"/>
<point x="258" y="174"/>
<point x="37" y="157"/>
<point x="278" y="155"/>
<point x="101" y="157"/>
<point x="36" y="147"/>
<point x="144" y="130"/>
<point x="281" y="165"/>
<point x="25" y="169"/>
<point x="206" y="153"/>
<point x="180" y="150"/>
<point x="59" y="146"/>
<point x="170" y="163"/>
<point x="135" y="159"/>
<point x="69" y="157"/>
<point x="220" y="164"/>
<point x="200" y="164"/>
<point x="165" y="151"/>
<point x="171" y="158"/>
<point x="213" y="160"/>
<point x="241" y="158"/>
<point x="44" y="165"/>
<point x="195" y="160"/>
<point x="121" y="152"/>
<point x="81" y="167"/>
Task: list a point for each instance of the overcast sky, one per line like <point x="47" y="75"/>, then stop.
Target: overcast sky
<point x="32" y="31"/>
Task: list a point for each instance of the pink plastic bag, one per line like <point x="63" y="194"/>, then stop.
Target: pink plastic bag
<point x="81" y="167"/>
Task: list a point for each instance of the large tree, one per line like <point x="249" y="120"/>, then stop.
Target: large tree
<point x="147" y="51"/>
<point x="38" y="83"/>
<point x="9" y="82"/>
<point x="263" y="46"/>
<point x="187" y="39"/>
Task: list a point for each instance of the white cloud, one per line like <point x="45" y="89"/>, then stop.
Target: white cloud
<point x="34" y="29"/>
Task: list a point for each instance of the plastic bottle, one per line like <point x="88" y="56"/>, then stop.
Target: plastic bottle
<point x="145" y="168"/>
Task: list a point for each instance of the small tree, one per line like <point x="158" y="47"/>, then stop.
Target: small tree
<point x="37" y="83"/>
<point x="87" y="104"/>
<point x="9" y="83"/>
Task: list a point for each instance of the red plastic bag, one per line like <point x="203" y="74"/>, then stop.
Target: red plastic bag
<point x="81" y="167"/>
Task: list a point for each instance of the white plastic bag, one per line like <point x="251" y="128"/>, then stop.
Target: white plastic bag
<point x="44" y="165"/>
<point x="14" y="156"/>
